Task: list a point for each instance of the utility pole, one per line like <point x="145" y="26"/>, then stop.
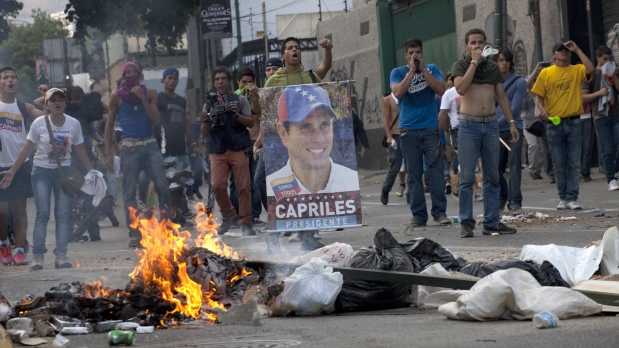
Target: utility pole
<point x="498" y="25"/>
<point x="251" y="22"/>
<point x="537" y="24"/>
<point x="239" y="40"/>
<point x="590" y="30"/>
<point x="265" y="35"/>
<point x="320" y="10"/>
<point x="345" y="5"/>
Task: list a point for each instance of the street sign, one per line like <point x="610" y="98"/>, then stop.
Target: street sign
<point x="216" y="19"/>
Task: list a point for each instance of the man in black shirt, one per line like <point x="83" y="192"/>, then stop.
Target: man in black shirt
<point x="176" y="131"/>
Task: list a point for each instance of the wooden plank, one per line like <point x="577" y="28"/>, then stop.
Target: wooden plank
<point x="408" y="278"/>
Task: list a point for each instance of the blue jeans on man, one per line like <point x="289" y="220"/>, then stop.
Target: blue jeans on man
<point x="44" y="182"/>
<point x="479" y="140"/>
<point x="136" y="159"/>
<point x="421" y="146"/>
<point x="511" y="193"/>
<point x="608" y="141"/>
<point x="565" y="144"/>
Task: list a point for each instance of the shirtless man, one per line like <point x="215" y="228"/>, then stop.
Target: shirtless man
<point x="478" y="81"/>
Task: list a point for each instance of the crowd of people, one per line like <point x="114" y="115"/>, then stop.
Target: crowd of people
<point x="472" y="126"/>
<point x="443" y="133"/>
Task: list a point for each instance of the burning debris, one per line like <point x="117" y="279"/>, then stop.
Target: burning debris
<point x="176" y="278"/>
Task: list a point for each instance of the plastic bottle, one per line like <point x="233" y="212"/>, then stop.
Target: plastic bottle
<point x="545" y="320"/>
<point x="121" y="338"/>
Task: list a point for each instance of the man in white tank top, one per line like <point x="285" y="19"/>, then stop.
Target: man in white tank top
<point x="15" y="117"/>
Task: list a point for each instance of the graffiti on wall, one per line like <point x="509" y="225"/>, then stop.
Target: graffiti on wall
<point x="367" y="104"/>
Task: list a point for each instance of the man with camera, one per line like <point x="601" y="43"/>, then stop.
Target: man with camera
<point x="417" y="85"/>
<point x="226" y="117"/>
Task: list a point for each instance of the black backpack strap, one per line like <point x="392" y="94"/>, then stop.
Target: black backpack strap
<point x="27" y="116"/>
<point x="313" y="76"/>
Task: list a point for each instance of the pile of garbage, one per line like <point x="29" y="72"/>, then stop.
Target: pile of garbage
<point x="82" y="308"/>
<point x="539" y="281"/>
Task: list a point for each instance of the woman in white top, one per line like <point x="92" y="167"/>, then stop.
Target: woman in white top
<point x="49" y="157"/>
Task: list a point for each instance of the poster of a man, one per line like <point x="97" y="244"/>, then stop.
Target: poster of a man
<point x="312" y="181"/>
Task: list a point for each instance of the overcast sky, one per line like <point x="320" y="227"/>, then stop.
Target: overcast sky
<point x="274" y="7"/>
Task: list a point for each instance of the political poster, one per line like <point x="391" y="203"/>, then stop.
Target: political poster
<point x="310" y="160"/>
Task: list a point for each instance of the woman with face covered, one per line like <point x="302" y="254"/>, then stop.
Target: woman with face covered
<point x="52" y="154"/>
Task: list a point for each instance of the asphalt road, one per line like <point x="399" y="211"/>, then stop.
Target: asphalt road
<point x="111" y="261"/>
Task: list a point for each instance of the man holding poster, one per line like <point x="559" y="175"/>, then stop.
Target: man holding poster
<point x="311" y="190"/>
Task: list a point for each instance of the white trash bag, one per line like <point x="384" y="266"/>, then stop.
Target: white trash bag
<point x="310" y="290"/>
<point x="515" y="294"/>
<point x="335" y="254"/>
<point x="574" y="264"/>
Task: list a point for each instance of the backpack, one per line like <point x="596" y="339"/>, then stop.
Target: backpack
<point x="27" y="116"/>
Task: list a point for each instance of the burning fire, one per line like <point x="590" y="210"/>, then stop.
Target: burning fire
<point x="161" y="264"/>
<point x="208" y="237"/>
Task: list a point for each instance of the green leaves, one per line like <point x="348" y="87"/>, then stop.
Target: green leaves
<point x="164" y="21"/>
<point x="8" y="8"/>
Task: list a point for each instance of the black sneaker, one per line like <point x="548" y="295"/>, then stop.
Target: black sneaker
<point x="226" y="225"/>
<point x="535" y="176"/>
<point x="466" y="230"/>
<point x="501" y="228"/>
<point x="247" y="230"/>
<point x="443" y="220"/>
<point x="384" y="197"/>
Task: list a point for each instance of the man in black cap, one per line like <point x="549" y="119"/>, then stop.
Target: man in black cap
<point x="272" y="65"/>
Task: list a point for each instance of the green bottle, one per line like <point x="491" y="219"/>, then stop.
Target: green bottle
<point x="121" y="338"/>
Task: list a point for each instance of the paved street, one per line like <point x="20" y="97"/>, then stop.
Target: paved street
<point x="111" y="261"/>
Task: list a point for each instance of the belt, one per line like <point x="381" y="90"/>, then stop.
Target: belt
<point x="132" y="142"/>
<point x="477" y="118"/>
<point x="571" y="117"/>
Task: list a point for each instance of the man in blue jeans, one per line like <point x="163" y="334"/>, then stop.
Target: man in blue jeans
<point x="478" y="80"/>
<point x="135" y="108"/>
<point x="558" y="91"/>
<point x="417" y="87"/>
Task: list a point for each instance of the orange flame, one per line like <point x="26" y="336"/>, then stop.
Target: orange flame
<point x="161" y="265"/>
<point x="208" y="237"/>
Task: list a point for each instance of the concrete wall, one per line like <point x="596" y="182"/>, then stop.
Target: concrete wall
<point x="521" y="31"/>
<point x="355" y="57"/>
<point x="301" y="25"/>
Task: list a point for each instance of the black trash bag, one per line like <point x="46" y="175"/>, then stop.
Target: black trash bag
<point x="425" y="252"/>
<point x="546" y="274"/>
<point x="372" y="295"/>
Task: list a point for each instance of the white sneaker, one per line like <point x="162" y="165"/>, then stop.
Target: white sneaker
<point x="573" y="205"/>
<point x="613" y="185"/>
<point x="562" y="205"/>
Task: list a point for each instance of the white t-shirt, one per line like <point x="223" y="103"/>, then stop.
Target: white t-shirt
<point x="451" y="102"/>
<point x="69" y="134"/>
<point x="283" y="183"/>
<point x="12" y="133"/>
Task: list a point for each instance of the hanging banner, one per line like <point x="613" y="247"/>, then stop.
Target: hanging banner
<point x="310" y="159"/>
<point x="216" y="19"/>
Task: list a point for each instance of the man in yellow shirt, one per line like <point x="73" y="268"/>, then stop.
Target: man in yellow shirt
<point x="559" y="100"/>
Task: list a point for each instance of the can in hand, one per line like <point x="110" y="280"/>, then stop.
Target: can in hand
<point x="121" y="338"/>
